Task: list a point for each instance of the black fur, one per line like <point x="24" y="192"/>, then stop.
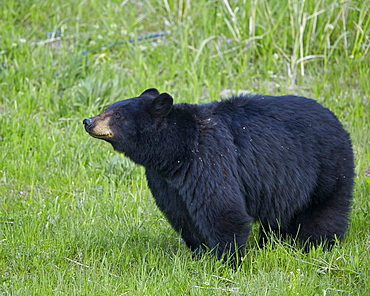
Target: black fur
<point x="213" y="169"/>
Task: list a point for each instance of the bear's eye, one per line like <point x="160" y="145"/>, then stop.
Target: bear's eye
<point x="117" y="114"/>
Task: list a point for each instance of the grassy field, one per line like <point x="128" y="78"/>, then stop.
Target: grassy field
<point x="76" y="218"/>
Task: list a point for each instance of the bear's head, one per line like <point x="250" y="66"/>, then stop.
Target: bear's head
<point x="133" y="125"/>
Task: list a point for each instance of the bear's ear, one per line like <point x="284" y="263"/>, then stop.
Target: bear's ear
<point x="161" y="105"/>
<point x="150" y="92"/>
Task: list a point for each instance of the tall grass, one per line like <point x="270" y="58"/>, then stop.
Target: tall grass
<point x="76" y="218"/>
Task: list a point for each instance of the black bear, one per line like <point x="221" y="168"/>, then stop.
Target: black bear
<point x="215" y="168"/>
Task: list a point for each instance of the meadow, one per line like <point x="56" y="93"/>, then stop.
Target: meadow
<point x="76" y="218"/>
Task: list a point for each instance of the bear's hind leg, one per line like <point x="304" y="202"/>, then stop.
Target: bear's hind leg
<point x="325" y="221"/>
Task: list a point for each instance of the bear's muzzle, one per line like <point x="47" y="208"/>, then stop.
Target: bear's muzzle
<point x="98" y="128"/>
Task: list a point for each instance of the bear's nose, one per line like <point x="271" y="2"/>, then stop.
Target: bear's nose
<point x="87" y="121"/>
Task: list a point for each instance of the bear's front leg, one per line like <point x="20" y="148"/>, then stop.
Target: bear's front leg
<point x="226" y="230"/>
<point x="175" y="209"/>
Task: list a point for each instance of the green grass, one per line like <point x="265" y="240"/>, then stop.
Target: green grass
<point x="76" y="218"/>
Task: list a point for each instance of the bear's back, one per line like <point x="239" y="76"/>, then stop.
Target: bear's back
<point x="286" y="147"/>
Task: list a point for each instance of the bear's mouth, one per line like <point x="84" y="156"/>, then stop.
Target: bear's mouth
<point x="101" y="136"/>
